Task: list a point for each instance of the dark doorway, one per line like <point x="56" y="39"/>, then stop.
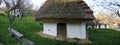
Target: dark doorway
<point x="61" y="30"/>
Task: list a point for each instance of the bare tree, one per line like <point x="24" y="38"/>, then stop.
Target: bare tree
<point x="114" y="6"/>
<point x="12" y="4"/>
<point x="0" y="1"/>
<point x="23" y="5"/>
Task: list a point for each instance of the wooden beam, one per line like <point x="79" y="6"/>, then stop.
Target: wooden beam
<point x="28" y="42"/>
<point x="1" y="44"/>
<point x="21" y="37"/>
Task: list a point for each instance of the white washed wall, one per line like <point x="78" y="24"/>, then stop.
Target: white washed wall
<point x="83" y="30"/>
<point x="97" y="26"/>
<point x="108" y="26"/>
<point x="50" y="29"/>
<point x="102" y="26"/>
<point x="76" y="30"/>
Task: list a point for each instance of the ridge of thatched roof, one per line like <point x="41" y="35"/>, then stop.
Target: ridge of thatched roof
<point x="64" y="9"/>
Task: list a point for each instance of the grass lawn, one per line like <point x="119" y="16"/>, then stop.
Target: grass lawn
<point x="104" y="37"/>
<point x="29" y="28"/>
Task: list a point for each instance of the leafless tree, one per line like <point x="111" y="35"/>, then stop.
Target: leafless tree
<point x="12" y="5"/>
<point x="0" y="1"/>
<point x="114" y="6"/>
<point x="23" y="5"/>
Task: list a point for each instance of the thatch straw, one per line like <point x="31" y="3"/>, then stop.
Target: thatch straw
<point x="64" y="9"/>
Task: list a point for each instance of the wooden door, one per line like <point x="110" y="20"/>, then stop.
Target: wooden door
<point x="61" y="30"/>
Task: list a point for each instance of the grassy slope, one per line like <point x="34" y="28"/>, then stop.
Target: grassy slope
<point x="105" y="37"/>
<point x="29" y="28"/>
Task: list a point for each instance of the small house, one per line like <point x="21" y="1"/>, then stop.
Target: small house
<point x="97" y="24"/>
<point x="64" y="19"/>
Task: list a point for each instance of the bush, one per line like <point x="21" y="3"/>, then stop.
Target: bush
<point x="3" y="13"/>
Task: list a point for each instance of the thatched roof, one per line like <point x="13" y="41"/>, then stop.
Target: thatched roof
<point x="64" y="10"/>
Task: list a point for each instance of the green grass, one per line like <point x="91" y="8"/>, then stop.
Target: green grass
<point x="104" y="37"/>
<point x="29" y="28"/>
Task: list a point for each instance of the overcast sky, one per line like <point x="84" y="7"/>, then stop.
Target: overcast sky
<point x="91" y="3"/>
<point x="38" y="3"/>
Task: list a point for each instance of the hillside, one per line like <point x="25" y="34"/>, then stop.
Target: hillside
<point x="29" y="28"/>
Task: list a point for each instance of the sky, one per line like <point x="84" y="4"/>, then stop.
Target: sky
<point x="98" y="5"/>
<point x="38" y="3"/>
<point x="91" y="3"/>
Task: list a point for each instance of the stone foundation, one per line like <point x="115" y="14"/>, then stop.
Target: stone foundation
<point x="81" y="41"/>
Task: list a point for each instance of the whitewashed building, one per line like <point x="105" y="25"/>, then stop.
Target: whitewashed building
<point x="69" y="30"/>
<point x="65" y="19"/>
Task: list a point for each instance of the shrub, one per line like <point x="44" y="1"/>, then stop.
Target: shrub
<point x="3" y="13"/>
